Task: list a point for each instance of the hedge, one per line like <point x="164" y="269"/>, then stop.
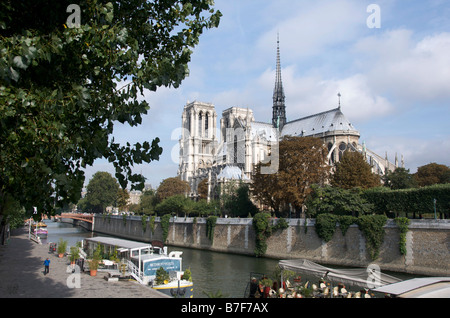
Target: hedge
<point x="410" y="201"/>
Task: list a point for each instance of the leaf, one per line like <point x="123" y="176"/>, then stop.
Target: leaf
<point x="20" y="62"/>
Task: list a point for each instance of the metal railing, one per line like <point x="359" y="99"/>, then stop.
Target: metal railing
<point x="135" y="272"/>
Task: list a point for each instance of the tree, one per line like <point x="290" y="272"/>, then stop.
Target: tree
<point x="148" y="202"/>
<point x="236" y="201"/>
<point x="63" y="86"/>
<point x="102" y="191"/>
<point x="202" y="189"/>
<point x="175" y="204"/>
<point x="122" y="199"/>
<point x="353" y="171"/>
<point x="337" y="201"/>
<point x="302" y="163"/>
<point x="432" y="173"/>
<point x="172" y="186"/>
<point x="400" y="178"/>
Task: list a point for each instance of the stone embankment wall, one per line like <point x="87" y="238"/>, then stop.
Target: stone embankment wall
<point x="427" y="241"/>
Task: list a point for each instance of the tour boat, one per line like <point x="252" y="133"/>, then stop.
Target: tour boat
<point x="142" y="262"/>
<point x="40" y="229"/>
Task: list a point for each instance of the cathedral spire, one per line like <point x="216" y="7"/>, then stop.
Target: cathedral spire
<point x="279" y="107"/>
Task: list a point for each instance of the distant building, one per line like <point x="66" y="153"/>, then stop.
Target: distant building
<point x="244" y="142"/>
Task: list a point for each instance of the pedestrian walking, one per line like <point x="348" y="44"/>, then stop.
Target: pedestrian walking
<point x="46" y="266"/>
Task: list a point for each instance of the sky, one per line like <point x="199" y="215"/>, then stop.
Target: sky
<point x="389" y="60"/>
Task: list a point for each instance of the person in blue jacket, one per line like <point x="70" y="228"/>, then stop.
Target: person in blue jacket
<point x="46" y="266"/>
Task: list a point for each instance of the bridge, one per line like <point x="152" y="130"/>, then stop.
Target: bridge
<point x="77" y="216"/>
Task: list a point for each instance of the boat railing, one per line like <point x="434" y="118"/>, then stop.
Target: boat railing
<point x="135" y="272"/>
<point x="35" y="238"/>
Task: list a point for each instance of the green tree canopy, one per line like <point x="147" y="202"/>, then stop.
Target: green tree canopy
<point x="148" y="202"/>
<point x="102" y="191"/>
<point x="399" y="179"/>
<point x="337" y="201"/>
<point x="353" y="171"/>
<point x="236" y="200"/>
<point x="64" y="86"/>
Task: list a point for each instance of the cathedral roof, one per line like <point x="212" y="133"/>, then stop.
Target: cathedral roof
<point x="263" y="131"/>
<point x="232" y="172"/>
<point x="328" y="121"/>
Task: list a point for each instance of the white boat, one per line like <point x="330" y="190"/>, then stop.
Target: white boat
<point x="425" y="287"/>
<point x="143" y="260"/>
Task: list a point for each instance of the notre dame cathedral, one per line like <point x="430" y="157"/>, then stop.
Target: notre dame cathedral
<point x="244" y="142"/>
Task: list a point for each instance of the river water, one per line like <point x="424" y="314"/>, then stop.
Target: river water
<point x="212" y="272"/>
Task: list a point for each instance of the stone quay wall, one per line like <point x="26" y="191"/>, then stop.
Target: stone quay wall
<point x="427" y="241"/>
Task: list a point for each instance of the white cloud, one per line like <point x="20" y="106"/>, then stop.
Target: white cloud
<point x="416" y="151"/>
<point x="409" y="69"/>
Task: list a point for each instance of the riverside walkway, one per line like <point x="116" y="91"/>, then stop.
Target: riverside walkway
<point x="22" y="275"/>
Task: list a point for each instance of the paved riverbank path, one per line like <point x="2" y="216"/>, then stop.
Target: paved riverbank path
<point x="22" y="275"/>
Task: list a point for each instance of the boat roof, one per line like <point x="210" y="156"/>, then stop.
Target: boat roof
<point x="424" y="287"/>
<point x="350" y="276"/>
<point x="121" y="243"/>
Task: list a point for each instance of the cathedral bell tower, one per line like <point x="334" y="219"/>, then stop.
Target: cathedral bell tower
<point x="279" y="106"/>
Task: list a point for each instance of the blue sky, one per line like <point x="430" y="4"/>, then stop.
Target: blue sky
<point x="394" y="80"/>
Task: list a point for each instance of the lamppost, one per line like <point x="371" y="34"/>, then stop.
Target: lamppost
<point x="434" y="202"/>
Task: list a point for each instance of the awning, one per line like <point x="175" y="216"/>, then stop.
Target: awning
<point x="362" y="277"/>
<point x="426" y="287"/>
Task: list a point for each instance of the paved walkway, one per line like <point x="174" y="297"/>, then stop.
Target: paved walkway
<point x="22" y="275"/>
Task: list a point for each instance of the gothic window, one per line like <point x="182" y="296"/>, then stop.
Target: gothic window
<point x="200" y="124"/>
<point x="235" y="148"/>
<point x="342" y="148"/>
<point x="206" y="124"/>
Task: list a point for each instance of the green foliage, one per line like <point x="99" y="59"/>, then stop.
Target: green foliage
<point x="325" y="226"/>
<point x="353" y="171"/>
<point x="13" y="213"/>
<point x="62" y="246"/>
<point x="236" y="200"/>
<point x="263" y="230"/>
<point x="161" y="276"/>
<point x="432" y="173"/>
<point x="102" y="191"/>
<point x="372" y="226"/>
<point x="399" y="179"/>
<point x="345" y="221"/>
<point x="210" y="226"/>
<point x="338" y="201"/>
<point x="165" y="222"/>
<point x="144" y="220"/>
<point x="74" y="253"/>
<point x="152" y="223"/>
<point x="402" y="224"/>
<point x="63" y="89"/>
<point x="174" y="204"/>
<point x="187" y="275"/>
<point x="415" y="201"/>
<point x="148" y="203"/>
